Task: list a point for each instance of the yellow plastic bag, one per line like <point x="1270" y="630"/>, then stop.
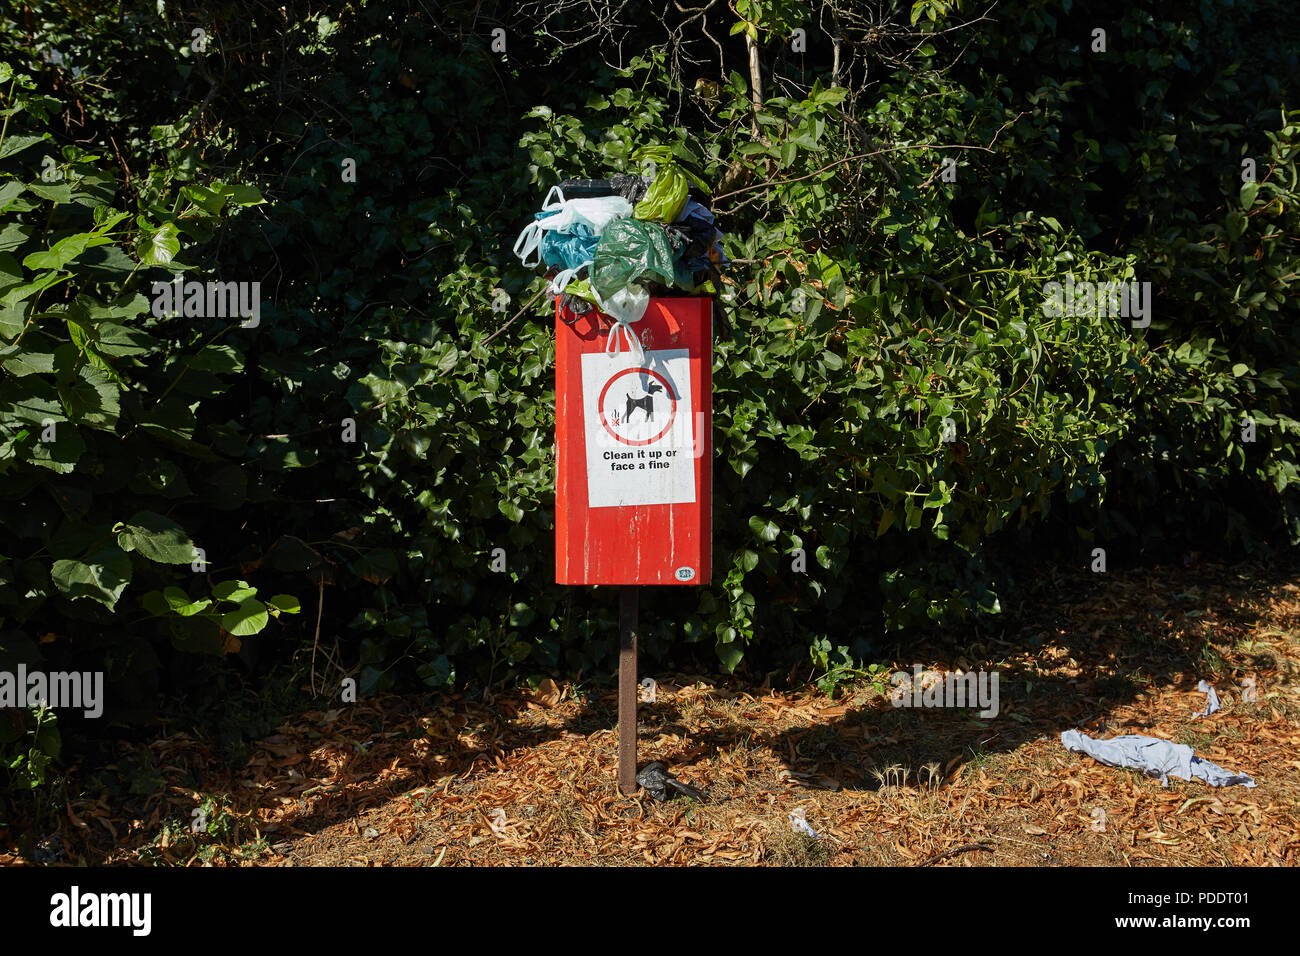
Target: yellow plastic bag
<point x="666" y="198"/>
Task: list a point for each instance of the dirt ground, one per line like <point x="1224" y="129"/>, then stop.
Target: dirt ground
<point x="527" y="778"/>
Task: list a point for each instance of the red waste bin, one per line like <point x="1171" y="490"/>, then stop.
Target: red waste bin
<point x="633" y="440"/>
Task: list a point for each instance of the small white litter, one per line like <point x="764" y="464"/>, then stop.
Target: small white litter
<point x="799" y="823"/>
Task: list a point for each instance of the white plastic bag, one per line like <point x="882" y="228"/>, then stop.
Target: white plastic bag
<point x="595" y="214"/>
<point x="625" y="306"/>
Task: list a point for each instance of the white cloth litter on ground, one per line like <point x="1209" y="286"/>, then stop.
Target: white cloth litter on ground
<point x="1211" y="699"/>
<point x="799" y="823"/>
<point x="1155" y="757"/>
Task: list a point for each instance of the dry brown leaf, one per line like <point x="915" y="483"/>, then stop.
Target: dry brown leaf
<point x="548" y="692"/>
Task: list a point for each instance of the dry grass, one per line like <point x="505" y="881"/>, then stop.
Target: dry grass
<point x="528" y="778"/>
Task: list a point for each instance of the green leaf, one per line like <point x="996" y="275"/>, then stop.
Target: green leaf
<point x="234" y="591"/>
<point x="766" y="530"/>
<point x="20" y="292"/>
<point x="730" y="655"/>
<point x="101" y="577"/>
<point x="91" y="397"/>
<point x="113" y="339"/>
<point x="14" y="235"/>
<point x="161" y="246"/>
<point x="18" y="360"/>
<point x="64" y="251"/>
<point x="157" y="538"/>
<point x="244" y="195"/>
<point x="218" y="358"/>
<point x="180" y="602"/>
<point x="31" y="400"/>
<point x="8" y="192"/>
<point x="284" y="602"/>
<point x="53" y="192"/>
<point x="61" y="454"/>
<point x="378" y="566"/>
<point x="206" y="199"/>
<point x="249" y="618"/>
<point x="1236" y="224"/>
<point x="13" y="145"/>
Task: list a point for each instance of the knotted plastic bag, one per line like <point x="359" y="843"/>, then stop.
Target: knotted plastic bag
<point x="625" y="306"/>
<point x="666" y="197"/>
<point x="631" y="187"/>
<point x="629" y="250"/>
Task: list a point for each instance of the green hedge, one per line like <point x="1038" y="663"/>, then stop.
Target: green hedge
<point x="877" y="308"/>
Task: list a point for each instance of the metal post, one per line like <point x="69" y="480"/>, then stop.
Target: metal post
<point x="627" y="608"/>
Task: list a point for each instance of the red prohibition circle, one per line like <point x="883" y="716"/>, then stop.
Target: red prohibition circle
<point x="668" y="390"/>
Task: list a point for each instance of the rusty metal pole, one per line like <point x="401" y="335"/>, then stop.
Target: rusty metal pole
<point x="627" y="608"/>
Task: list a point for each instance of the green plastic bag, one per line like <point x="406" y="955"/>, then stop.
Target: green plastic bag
<point x="630" y="250"/>
<point x="666" y="198"/>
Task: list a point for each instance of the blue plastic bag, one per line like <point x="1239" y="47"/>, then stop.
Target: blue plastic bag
<point x="569" y="250"/>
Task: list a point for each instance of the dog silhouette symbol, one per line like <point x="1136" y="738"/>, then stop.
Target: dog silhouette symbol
<point x="646" y="403"/>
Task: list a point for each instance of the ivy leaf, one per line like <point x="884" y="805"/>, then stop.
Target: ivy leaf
<point x="730" y="655"/>
<point x="378" y="566"/>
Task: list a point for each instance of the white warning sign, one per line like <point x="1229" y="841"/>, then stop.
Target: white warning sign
<point x="639" y="428"/>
